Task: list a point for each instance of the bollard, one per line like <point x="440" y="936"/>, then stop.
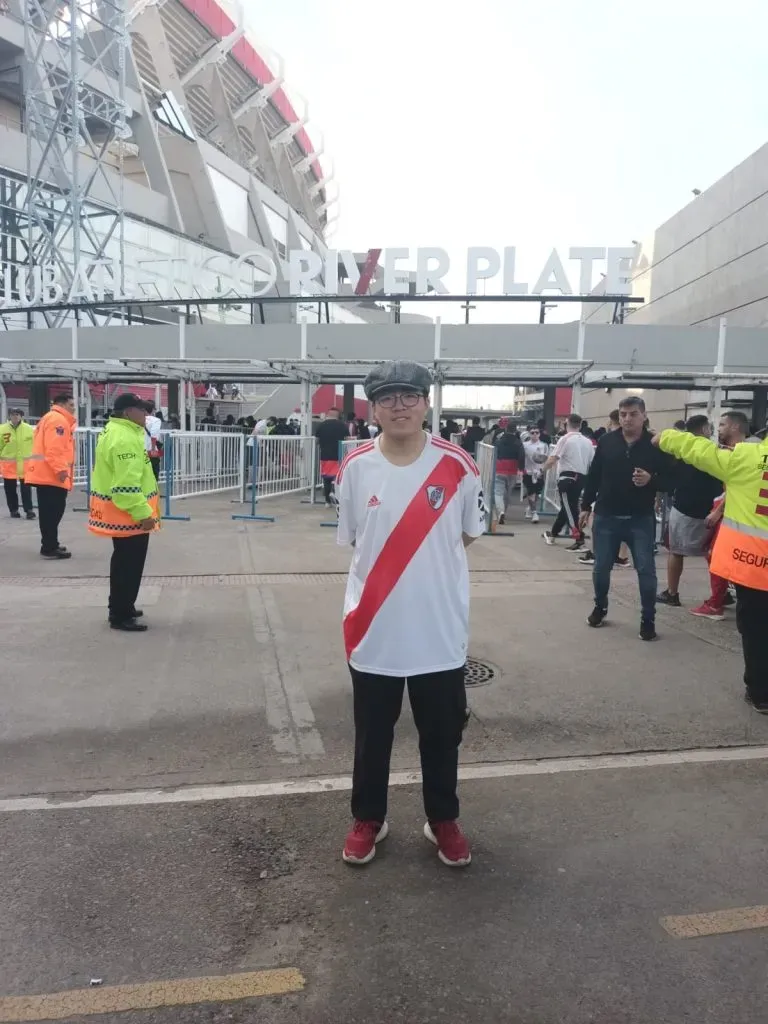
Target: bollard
<point x="168" y="457"/>
<point x="254" y="477"/>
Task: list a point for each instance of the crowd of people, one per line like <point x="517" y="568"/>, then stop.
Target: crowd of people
<point x="409" y="504"/>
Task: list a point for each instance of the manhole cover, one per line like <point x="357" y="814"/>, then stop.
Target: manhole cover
<point x="478" y="673"/>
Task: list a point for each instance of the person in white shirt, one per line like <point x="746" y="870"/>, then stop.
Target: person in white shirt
<point x="152" y="427"/>
<point x="410" y="503"/>
<point x="571" y="460"/>
<point x="536" y="452"/>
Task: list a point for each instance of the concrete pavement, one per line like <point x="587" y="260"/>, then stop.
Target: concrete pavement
<point x="242" y="679"/>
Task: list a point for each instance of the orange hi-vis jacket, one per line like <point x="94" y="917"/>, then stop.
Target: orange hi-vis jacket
<point x="740" y="553"/>
<point x="53" y="450"/>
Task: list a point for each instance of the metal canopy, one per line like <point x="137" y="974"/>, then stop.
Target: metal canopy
<point x="520" y="372"/>
<point x="674" y="380"/>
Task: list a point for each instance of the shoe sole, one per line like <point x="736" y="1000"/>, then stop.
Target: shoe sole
<point x="359" y="861"/>
<point x="549" y="541"/>
<point x="704" y="615"/>
<point x="430" y="835"/>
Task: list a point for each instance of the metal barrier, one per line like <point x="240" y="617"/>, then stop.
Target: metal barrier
<point x="85" y="454"/>
<point x="286" y="465"/>
<point x="455" y="439"/>
<point x="485" y="456"/>
<point x="345" y="447"/>
<point x="202" y="463"/>
<point x="550" y="496"/>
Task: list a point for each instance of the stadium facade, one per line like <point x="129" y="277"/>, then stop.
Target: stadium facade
<point x="709" y="261"/>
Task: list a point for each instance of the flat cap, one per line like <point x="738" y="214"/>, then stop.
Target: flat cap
<point x="128" y="401"/>
<point x="397" y="375"/>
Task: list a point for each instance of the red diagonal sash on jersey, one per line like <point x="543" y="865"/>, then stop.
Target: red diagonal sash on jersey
<point x="399" y="548"/>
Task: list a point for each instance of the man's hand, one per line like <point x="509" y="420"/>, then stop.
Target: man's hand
<point x="641" y="477"/>
<point x="715" y="515"/>
<point x="584" y="520"/>
<point x="62" y="476"/>
<point x="147" y="525"/>
<point x="655" y="438"/>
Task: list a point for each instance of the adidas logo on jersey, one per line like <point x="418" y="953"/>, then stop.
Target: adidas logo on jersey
<point x="374" y="502"/>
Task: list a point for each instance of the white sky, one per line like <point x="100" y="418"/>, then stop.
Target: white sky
<point x="521" y="122"/>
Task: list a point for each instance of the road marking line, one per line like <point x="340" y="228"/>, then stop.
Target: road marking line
<point x="85" y="1002"/>
<point x="289" y="671"/>
<point x="276" y="704"/>
<point x="719" y="922"/>
<point x="343" y="783"/>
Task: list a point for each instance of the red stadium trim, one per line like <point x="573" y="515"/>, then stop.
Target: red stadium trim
<point x="220" y="25"/>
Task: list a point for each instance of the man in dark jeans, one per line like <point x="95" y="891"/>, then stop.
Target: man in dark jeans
<point x="622" y="482"/>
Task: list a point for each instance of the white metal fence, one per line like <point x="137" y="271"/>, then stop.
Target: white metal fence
<point x="197" y="463"/>
<point x="85" y="449"/>
<point x="202" y="462"/>
<point x="485" y="456"/>
<point x="281" y="465"/>
<point x="349" y="446"/>
<point x="550" y="497"/>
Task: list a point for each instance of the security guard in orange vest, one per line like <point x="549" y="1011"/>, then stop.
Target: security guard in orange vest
<point x="740" y="553"/>
<point x="124" y="506"/>
<point x="50" y="469"/>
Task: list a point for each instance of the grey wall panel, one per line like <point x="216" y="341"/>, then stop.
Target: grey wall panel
<point x="629" y="347"/>
<point x="509" y="341"/>
<point x="371" y="341"/>
<point x="274" y="341"/>
<point x="42" y="344"/>
<point x="746" y="350"/>
<point x="128" y="342"/>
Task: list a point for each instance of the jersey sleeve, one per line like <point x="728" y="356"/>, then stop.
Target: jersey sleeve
<point x="346" y="532"/>
<point x="473" y="505"/>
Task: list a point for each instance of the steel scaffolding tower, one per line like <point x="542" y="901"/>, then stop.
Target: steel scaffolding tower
<point x="76" y="122"/>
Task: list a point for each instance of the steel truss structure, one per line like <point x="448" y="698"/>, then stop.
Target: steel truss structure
<point x="75" y="111"/>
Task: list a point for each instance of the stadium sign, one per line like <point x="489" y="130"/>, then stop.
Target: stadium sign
<point x="307" y="274"/>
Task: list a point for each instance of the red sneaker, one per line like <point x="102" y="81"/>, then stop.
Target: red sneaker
<point x="451" y="843"/>
<point x="708" y="611"/>
<point x="360" y="844"/>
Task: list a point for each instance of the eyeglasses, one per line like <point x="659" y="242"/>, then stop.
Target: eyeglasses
<point x="408" y="399"/>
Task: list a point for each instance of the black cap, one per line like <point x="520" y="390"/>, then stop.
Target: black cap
<point x="129" y="401"/>
<point x="397" y="375"/>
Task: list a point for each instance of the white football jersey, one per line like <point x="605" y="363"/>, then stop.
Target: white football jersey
<point x="406" y="608"/>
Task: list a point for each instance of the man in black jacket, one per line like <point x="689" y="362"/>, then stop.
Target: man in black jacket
<point x="472" y="435"/>
<point x="330" y="433"/>
<point x="510" y="459"/>
<point x="625" y="475"/>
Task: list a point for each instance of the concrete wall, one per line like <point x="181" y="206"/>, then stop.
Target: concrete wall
<point x="710" y="260"/>
<point x="613" y="348"/>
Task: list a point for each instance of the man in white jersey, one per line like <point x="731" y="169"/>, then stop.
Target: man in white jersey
<point x="536" y="452"/>
<point x="572" y="458"/>
<point x="410" y="503"/>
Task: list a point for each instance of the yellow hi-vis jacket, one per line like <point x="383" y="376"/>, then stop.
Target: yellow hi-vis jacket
<point x="15" y="449"/>
<point x="740" y="553"/>
<point x="123" y="485"/>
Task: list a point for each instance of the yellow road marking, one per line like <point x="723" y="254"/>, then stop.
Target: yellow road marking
<point x="85" y="1002"/>
<point x="719" y="922"/>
